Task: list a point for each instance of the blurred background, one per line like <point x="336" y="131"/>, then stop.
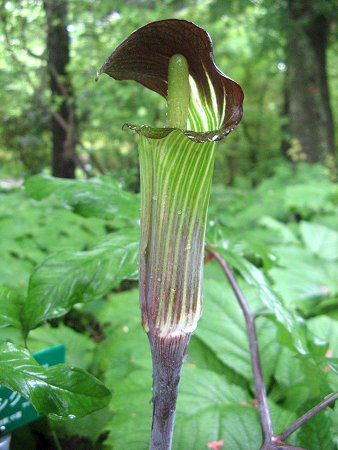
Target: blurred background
<point x="55" y="118"/>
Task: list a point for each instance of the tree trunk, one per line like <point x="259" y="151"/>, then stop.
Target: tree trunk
<point x="63" y="117"/>
<point x="310" y="113"/>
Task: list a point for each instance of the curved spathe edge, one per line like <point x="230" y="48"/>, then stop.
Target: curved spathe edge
<point x="195" y="136"/>
<point x="216" y="104"/>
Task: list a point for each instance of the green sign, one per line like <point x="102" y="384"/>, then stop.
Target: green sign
<point x="16" y="411"/>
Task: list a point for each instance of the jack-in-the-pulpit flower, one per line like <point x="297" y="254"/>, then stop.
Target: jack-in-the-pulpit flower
<point x="174" y="58"/>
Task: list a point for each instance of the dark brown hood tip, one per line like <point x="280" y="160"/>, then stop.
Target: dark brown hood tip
<point x="144" y="56"/>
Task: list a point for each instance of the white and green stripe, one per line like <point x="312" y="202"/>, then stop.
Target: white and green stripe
<point x="175" y="188"/>
<point x="176" y="177"/>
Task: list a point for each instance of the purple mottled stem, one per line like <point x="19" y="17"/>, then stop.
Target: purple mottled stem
<point x="262" y="401"/>
<point x="168" y="354"/>
<point x="270" y="441"/>
<point x="307" y="416"/>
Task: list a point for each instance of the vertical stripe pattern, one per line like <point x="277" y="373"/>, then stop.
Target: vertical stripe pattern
<point x="175" y="189"/>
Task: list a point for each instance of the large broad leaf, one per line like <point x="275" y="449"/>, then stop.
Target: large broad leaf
<point x="205" y="409"/>
<point x="58" y="391"/>
<point x="309" y="198"/>
<point x="204" y="402"/>
<point x="256" y="278"/>
<point x="209" y="409"/>
<point x="90" y="427"/>
<point x="320" y="240"/>
<point x="99" y="197"/>
<point x="10" y="308"/>
<point x="300" y="379"/>
<point x="31" y="230"/>
<point x="302" y="277"/>
<point x="285" y="234"/>
<point x="126" y="342"/>
<point x="291" y="329"/>
<point x="80" y="348"/>
<point x="222" y="329"/>
<point x="206" y="418"/>
<point x="220" y="341"/>
<point x="68" y="278"/>
<point x="316" y="434"/>
<point x="325" y="328"/>
<point x="203" y="356"/>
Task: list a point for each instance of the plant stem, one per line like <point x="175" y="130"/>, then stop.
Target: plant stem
<point x="270" y="441"/>
<point x="168" y="340"/>
<point x="263" y="408"/>
<point x="168" y="354"/>
<point x="308" y="416"/>
<point x="178" y="92"/>
<point x="54" y="436"/>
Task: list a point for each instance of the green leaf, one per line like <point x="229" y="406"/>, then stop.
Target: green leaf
<point x="325" y="328"/>
<point x="131" y="404"/>
<point x="32" y="230"/>
<point x="256" y="278"/>
<point x="98" y="197"/>
<point x="80" y="348"/>
<point x="316" y="434"/>
<point x="127" y="345"/>
<point x="59" y="391"/>
<point x="203" y="356"/>
<point x="301" y="379"/>
<point x="126" y="342"/>
<point x="307" y="198"/>
<point x="237" y="426"/>
<point x="306" y="278"/>
<point x="206" y="405"/>
<point x="68" y="278"/>
<point x="121" y="309"/>
<point x="222" y="328"/>
<point x="90" y="427"/>
<point x="281" y="418"/>
<point x="285" y="233"/>
<point x="10" y="308"/>
<point x="209" y="409"/>
<point x="320" y="240"/>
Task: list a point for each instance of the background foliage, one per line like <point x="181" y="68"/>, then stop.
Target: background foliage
<point x="271" y="235"/>
<point x="250" y="44"/>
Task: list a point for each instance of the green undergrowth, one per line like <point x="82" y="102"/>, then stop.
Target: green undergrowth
<point x="68" y="269"/>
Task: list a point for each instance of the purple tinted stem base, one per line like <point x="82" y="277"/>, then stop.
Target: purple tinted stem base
<point x="168" y="354"/>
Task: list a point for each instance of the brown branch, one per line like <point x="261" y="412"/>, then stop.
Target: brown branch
<point x="270" y="441"/>
<point x="263" y="408"/>
<point x="308" y="416"/>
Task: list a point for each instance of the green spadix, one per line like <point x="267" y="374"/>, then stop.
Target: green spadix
<point x="178" y="92"/>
